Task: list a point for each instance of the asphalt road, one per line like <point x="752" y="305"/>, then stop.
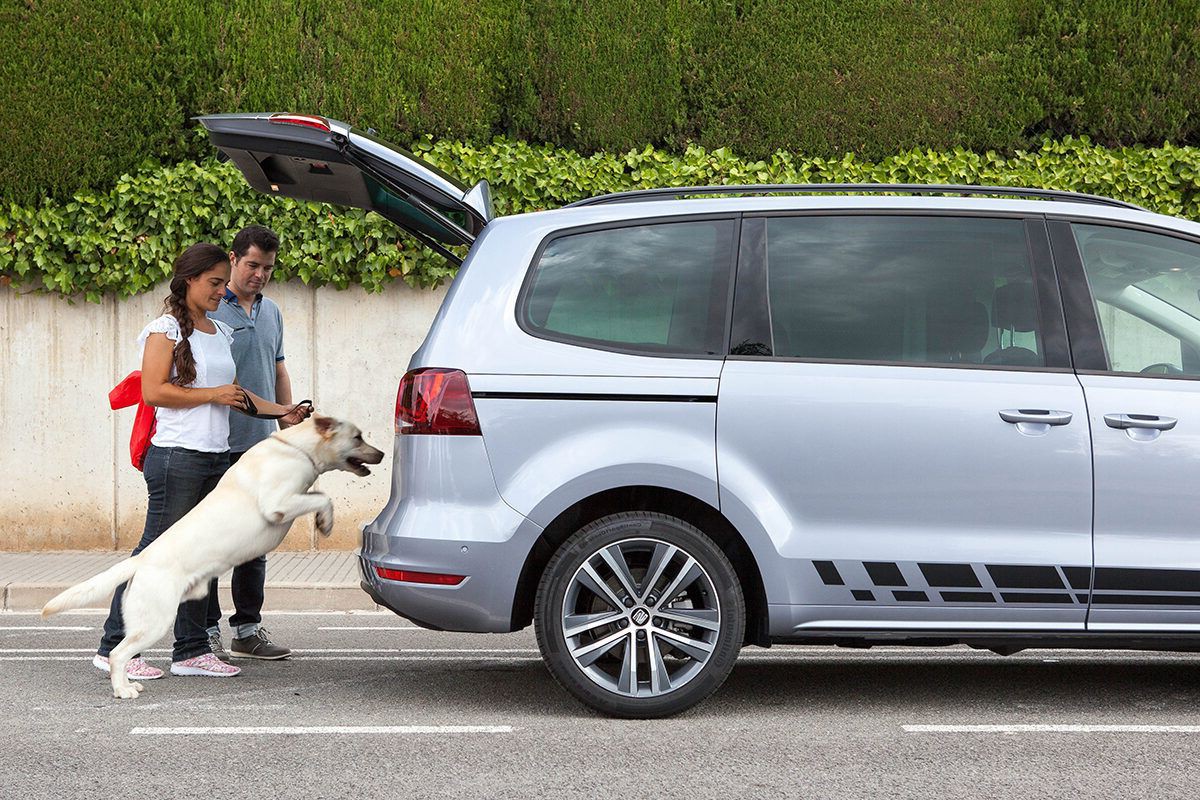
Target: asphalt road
<point x="422" y="714"/>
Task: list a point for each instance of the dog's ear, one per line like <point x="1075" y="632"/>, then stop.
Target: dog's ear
<point x="325" y="425"/>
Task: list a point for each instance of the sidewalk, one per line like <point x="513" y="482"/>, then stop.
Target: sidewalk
<point x="310" y="581"/>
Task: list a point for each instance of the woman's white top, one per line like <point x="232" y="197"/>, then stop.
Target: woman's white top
<point x="204" y="428"/>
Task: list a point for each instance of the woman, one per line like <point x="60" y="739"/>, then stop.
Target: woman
<point x="188" y="376"/>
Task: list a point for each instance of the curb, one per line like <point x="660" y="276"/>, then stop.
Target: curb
<point x="279" y="597"/>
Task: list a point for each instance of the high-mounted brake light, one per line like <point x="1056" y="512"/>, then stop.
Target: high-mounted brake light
<point x="436" y="401"/>
<point x="304" y="120"/>
<point x="408" y="576"/>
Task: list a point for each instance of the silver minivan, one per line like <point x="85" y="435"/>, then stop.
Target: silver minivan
<point x="663" y="425"/>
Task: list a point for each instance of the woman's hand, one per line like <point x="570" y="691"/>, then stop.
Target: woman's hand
<point x="230" y="395"/>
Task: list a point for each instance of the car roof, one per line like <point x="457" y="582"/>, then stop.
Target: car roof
<point x="596" y="214"/>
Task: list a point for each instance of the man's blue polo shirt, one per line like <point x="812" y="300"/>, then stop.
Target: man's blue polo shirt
<point x="257" y="347"/>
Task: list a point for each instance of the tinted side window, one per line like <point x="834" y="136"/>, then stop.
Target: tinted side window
<point x="1145" y="288"/>
<point x="659" y="288"/>
<point x="917" y="289"/>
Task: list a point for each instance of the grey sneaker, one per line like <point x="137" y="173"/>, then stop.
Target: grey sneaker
<point x="258" y="645"/>
<point x="218" y="649"/>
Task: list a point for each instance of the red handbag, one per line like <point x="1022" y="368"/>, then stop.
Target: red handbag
<point x="127" y="393"/>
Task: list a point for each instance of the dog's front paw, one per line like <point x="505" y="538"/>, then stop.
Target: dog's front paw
<point x="325" y="520"/>
<point x="127" y="692"/>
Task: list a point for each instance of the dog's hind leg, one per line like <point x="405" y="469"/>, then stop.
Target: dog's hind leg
<point x="148" y="613"/>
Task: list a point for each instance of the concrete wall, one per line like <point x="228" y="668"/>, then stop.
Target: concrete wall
<point x="65" y="478"/>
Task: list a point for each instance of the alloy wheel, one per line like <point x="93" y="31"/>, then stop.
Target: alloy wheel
<point x="641" y="617"/>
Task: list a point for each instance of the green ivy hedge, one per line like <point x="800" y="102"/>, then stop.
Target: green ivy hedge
<point x="123" y="241"/>
<point x="89" y="89"/>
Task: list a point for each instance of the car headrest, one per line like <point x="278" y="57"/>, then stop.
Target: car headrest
<point x="1014" y="357"/>
<point x="956" y="331"/>
<point x="1014" y="307"/>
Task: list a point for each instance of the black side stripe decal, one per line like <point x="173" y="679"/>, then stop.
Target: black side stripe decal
<point x="1079" y="577"/>
<point x="1025" y="577"/>
<point x="1153" y="580"/>
<point x="633" y="398"/>
<point x="956" y="575"/>
<point x="1019" y="584"/>
<point x="829" y="573"/>
<point x="1035" y="597"/>
<point x="884" y="573"/>
<point x="968" y="597"/>
<point x="1146" y="600"/>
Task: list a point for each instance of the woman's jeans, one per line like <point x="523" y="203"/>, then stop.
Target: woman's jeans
<point x="177" y="479"/>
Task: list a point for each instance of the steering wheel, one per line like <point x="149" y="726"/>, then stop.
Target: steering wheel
<point x="1161" y="368"/>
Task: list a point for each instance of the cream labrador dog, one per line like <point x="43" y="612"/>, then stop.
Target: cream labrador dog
<point x="246" y="515"/>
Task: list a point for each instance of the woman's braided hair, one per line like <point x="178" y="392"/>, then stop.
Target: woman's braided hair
<point x="196" y="260"/>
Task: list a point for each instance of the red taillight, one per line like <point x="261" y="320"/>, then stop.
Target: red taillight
<point x="436" y="401"/>
<point x="304" y="120"/>
<point x="408" y="576"/>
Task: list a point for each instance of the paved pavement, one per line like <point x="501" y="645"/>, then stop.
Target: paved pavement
<point x="372" y="707"/>
<point x="320" y="581"/>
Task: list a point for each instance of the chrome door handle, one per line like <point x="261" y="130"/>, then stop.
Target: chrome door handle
<point x="1123" y="421"/>
<point x="1038" y="415"/>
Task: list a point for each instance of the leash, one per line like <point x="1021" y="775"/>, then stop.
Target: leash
<point x="251" y="410"/>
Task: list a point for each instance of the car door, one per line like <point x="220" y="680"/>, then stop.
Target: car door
<point x="1134" y="317"/>
<point x="900" y="418"/>
<point x="315" y="158"/>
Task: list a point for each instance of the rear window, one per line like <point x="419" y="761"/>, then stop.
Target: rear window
<point x="659" y="288"/>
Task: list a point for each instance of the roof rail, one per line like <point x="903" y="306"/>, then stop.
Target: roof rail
<point x="675" y="193"/>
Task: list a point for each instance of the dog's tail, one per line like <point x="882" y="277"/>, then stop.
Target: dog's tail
<point x="93" y="589"/>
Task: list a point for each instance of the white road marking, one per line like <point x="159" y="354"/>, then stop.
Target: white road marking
<point x="46" y="628"/>
<point x="417" y="650"/>
<point x="370" y="628"/>
<point x="783" y="655"/>
<point x="213" y="707"/>
<point x="424" y="658"/>
<point x="79" y="612"/>
<point x="51" y="650"/>
<point x="796" y="654"/>
<point x="1052" y="728"/>
<point x="323" y="650"/>
<point x="480" y="657"/>
<point x="190" y="707"/>
<point x="98" y="612"/>
<point x="323" y="730"/>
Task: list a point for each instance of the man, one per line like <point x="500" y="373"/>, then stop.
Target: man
<point x="258" y="354"/>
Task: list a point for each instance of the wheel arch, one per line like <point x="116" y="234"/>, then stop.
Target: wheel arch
<point x="647" y="498"/>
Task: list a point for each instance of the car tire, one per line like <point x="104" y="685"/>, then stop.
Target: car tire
<point x="610" y="636"/>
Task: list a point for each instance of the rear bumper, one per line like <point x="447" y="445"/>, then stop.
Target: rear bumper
<point x="481" y="603"/>
<point x="446" y="516"/>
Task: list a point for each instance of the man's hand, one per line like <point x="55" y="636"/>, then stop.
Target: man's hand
<point x="297" y="415"/>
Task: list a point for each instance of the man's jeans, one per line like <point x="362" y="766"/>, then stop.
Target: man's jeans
<point x="248" y="586"/>
<point x="177" y="479"/>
